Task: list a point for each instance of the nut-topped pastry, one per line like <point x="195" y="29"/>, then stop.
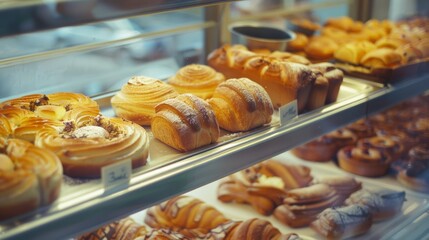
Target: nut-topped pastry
<point x="241" y="104"/>
<point x="196" y="79"/>
<point x="185" y="123"/>
<point x="263" y="186"/>
<point x="302" y="205"/>
<point x="137" y="99"/>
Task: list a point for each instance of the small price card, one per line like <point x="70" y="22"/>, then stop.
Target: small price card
<point x="116" y="175"/>
<point x="288" y="112"/>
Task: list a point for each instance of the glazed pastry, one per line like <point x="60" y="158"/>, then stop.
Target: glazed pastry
<point x="325" y="148"/>
<point x="391" y="42"/>
<point x="415" y="173"/>
<point x="343" y="222"/>
<point x="362" y="128"/>
<point x="240" y="105"/>
<point x="343" y="185"/>
<point x="381" y="58"/>
<point x="137" y="99"/>
<point x="249" y="229"/>
<point x="124" y="229"/>
<point x="84" y="150"/>
<point x="382" y="205"/>
<point x="5" y="126"/>
<point x="353" y="52"/>
<point x="334" y="77"/>
<point x="263" y="186"/>
<point x="302" y="205"/>
<point x="185" y="123"/>
<point x="389" y="146"/>
<point x="283" y="81"/>
<point x="298" y="44"/>
<point x="197" y="79"/>
<point x="31" y="177"/>
<point x="321" y="48"/>
<point x="364" y="161"/>
<point x="186" y="215"/>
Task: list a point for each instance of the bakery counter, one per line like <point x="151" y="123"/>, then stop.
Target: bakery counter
<point x="86" y="204"/>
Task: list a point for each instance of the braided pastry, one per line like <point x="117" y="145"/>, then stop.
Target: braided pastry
<point x="30" y="177"/>
<point x="185" y="123"/>
<point x="185" y="215"/>
<point x="263" y="186"/>
<point x="85" y="149"/>
<point x="241" y="104"/>
<point x="137" y="99"/>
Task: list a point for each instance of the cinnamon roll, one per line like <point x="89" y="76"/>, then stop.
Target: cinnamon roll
<point x="364" y="161"/>
<point x="31" y="177"/>
<point x="85" y="149"/>
<point x="302" y="205"/>
<point x="137" y="99"/>
<point x="241" y="104"/>
<point x="263" y="186"/>
<point x="185" y="123"/>
<point x="196" y="79"/>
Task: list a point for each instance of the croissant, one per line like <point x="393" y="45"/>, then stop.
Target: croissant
<point x="185" y="123"/>
<point x="137" y="99"/>
<point x="186" y="215"/>
<point x="85" y="149"/>
<point x="31" y="177"/>
<point x="263" y="186"/>
<point x="197" y="79"/>
<point x="252" y="229"/>
<point x="381" y="58"/>
<point x="123" y="229"/>
<point x="283" y="81"/>
<point x="240" y="105"/>
<point x="354" y="51"/>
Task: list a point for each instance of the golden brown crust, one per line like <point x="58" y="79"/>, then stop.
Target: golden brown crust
<point x="185" y="123"/>
<point x="137" y="98"/>
<point x="31" y="177"/>
<point x="298" y="44"/>
<point x="353" y="52"/>
<point x="196" y="79"/>
<point x="318" y="93"/>
<point x="241" y="105"/>
<point x="389" y="146"/>
<point x="321" y="48"/>
<point x="381" y="58"/>
<point x="124" y="229"/>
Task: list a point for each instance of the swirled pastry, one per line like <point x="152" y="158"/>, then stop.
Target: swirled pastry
<point x="85" y="149"/>
<point x="263" y="186"/>
<point x="302" y="205"/>
<point x="123" y="229"/>
<point x="185" y="123"/>
<point x="382" y="204"/>
<point x="364" y="161"/>
<point x="30" y="177"/>
<point x="197" y="79"/>
<point x="241" y="105"/>
<point x="138" y="97"/>
<point x="343" y="222"/>
<point x="184" y="214"/>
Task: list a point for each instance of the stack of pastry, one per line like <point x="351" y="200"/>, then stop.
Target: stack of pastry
<point x="69" y="124"/>
<point x="264" y="185"/>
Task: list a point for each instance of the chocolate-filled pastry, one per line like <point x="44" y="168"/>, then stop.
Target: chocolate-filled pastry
<point x="343" y="222"/>
<point x="364" y="161"/>
<point x="325" y="148"/>
<point x="415" y="172"/>
<point x="186" y="215"/>
<point x="240" y="104"/>
<point x="84" y="147"/>
<point x="250" y="229"/>
<point x="185" y="123"/>
<point x="30" y="177"/>
<point x="343" y="185"/>
<point x="387" y="145"/>
<point x="302" y="205"/>
<point x="382" y="204"/>
<point x="137" y="98"/>
<point x="196" y="79"/>
<point x="124" y="229"/>
<point x="264" y="185"/>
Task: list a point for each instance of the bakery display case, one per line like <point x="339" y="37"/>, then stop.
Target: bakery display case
<point x="94" y="47"/>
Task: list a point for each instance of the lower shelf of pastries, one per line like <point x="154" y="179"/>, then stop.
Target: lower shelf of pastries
<point x="415" y="205"/>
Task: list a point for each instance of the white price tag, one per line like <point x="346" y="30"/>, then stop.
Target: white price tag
<point x="116" y="175"/>
<point x="288" y="112"/>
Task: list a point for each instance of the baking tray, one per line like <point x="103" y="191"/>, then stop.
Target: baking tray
<point x="414" y="206"/>
<point x="76" y="193"/>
